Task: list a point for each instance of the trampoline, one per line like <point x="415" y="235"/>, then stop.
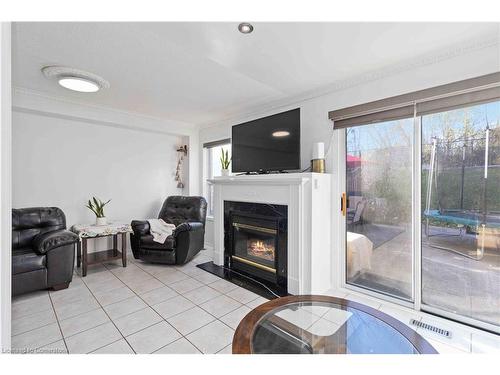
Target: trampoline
<point x="467" y="219"/>
<point x="472" y="220"/>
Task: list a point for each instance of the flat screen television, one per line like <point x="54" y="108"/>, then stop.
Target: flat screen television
<point x="269" y="144"/>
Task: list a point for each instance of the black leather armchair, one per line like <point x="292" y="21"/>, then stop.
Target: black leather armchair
<point x="188" y="214"/>
<point x="43" y="251"/>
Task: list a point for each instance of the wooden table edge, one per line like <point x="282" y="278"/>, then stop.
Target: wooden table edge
<point x="242" y="339"/>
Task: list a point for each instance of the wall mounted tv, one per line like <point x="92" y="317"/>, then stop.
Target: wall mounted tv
<point x="269" y="144"/>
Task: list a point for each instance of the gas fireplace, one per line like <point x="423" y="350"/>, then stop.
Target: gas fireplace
<point x="256" y="241"/>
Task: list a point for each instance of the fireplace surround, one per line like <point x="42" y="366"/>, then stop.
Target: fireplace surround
<point x="309" y="253"/>
<point x="256" y="241"/>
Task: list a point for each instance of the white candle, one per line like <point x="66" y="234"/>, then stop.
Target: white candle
<point x="318" y="151"/>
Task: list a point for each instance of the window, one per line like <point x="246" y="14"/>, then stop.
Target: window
<point x="379" y="213"/>
<point x="461" y="211"/>
<point x="212" y="152"/>
<point x="422" y="201"/>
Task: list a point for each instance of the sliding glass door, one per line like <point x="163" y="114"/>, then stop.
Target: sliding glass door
<point x="460" y="207"/>
<point x="455" y="270"/>
<point x="378" y="211"/>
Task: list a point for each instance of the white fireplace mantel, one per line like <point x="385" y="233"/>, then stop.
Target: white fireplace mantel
<point x="309" y="235"/>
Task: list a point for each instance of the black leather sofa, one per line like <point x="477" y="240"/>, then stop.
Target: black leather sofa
<point x="43" y="251"/>
<point x="188" y="214"/>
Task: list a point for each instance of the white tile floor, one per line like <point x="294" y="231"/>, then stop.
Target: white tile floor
<point x="464" y="339"/>
<point x="143" y="308"/>
<point x="148" y="308"/>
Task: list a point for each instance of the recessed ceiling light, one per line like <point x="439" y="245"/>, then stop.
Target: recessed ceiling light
<point x="245" y="28"/>
<point x="78" y="84"/>
<point x="75" y="79"/>
<point x="281" y="133"/>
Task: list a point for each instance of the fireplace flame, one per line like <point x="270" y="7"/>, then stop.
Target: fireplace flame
<point x="260" y="249"/>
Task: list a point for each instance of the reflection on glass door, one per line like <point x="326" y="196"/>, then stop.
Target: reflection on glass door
<point x="461" y="212"/>
<point x="379" y="207"/>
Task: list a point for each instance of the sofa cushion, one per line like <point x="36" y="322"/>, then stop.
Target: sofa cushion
<point x="29" y="222"/>
<point x="148" y="243"/>
<point x="25" y="260"/>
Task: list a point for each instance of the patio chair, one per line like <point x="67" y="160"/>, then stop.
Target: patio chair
<point x="356" y="217"/>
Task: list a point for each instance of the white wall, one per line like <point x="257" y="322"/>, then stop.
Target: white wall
<point x="5" y="184"/>
<point x="314" y="111"/>
<point x="315" y="126"/>
<point x="62" y="162"/>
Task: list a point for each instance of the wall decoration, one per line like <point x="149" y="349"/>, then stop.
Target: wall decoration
<point x="182" y="152"/>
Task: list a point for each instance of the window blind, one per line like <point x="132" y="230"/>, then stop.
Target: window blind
<point x="468" y="92"/>
<point x="217" y="143"/>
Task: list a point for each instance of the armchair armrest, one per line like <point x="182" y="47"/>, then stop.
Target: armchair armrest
<point x="140" y="227"/>
<point x="186" y="227"/>
<point x="45" y="242"/>
<point x="189" y="238"/>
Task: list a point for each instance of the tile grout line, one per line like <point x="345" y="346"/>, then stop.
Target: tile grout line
<point x="44" y="325"/>
<point x="177" y="294"/>
<point x="151" y="307"/>
<point x="88" y="329"/>
<point x="180" y="333"/>
<point x="137" y="295"/>
<point x="142" y="329"/>
<point x="176" y="268"/>
<point x="32" y="314"/>
<point x="58" y="324"/>
<point x="216" y="319"/>
<point x="229" y="312"/>
<point x="223" y="349"/>
<point x="165" y="320"/>
<point x="105" y="312"/>
<point x="38" y="327"/>
<point x="180" y="338"/>
<point x="94" y="351"/>
<point x="53" y="309"/>
<point x="84" y="283"/>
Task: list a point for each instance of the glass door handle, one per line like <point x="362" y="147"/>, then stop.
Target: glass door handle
<point x="343" y="204"/>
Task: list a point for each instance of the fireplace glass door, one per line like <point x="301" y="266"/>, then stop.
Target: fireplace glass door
<point x="254" y="245"/>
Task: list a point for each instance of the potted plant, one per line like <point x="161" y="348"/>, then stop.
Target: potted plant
<point x="97" y="207"/>
<point x="225" y="161"/>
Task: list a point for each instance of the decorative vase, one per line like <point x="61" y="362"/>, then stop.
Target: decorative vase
<point x="225" y="172"/>
<point x="100" y="221"/>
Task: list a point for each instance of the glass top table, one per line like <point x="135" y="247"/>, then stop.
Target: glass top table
<point x="324" y="325"/>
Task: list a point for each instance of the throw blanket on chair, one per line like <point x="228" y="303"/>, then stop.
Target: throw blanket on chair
<point x="160" y="229"/>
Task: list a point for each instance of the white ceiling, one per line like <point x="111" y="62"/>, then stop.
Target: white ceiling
<point x="204" y="72"/>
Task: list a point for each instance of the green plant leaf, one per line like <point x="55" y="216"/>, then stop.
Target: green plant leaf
<point x="91" y="208"/>
<point x="224" y="159"/>
<point x="97" y="206"/>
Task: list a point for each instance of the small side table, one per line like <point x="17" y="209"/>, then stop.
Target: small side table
<point x="87" y="231"/>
